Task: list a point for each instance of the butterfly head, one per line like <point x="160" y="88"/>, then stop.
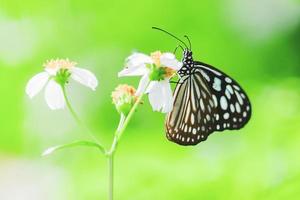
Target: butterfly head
<point x="187" y="60"/>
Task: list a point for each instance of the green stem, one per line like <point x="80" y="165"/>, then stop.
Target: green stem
<point x="77" y="119"/>
<point x="72" y="111"/>
<point x="124" y="120"/>
<point x="110" y="159"/>
<point x="111" y="177"/>
<point x="121" y="129"/>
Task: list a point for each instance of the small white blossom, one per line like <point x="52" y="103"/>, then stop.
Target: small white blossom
<point x="56" y="75"/>
<point x="156" y="71"/>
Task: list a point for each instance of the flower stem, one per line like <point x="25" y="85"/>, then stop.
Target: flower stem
<point x="124" y="120"/>
<point x="75" y="116"/>
<point x="123" y="126"/>
<point x="72" y="111"/>
<point x="110" y="159"/>
<point x="111" y="177"/>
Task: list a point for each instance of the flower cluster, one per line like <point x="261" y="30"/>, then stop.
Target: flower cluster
<point x="156" y="71"/>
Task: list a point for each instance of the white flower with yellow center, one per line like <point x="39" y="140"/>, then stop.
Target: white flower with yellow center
<point x="55" y="77"/>
<point x="156" y="71"/>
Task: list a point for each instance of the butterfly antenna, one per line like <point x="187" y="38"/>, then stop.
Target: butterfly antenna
<point x="177" y="48"/>
<point x="171" y="35"/>
<point x="188" y="41"/>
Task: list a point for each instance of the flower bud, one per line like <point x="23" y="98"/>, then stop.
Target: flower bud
<point x="124" y="98"/>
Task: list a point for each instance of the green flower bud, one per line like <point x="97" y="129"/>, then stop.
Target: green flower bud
<point x="124" y="98"/>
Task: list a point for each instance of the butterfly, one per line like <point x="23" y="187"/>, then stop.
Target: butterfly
<point x="205" y="100"/>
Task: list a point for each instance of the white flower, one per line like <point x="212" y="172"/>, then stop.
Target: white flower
<point x="56" y="75"/>
<point x="156" y="71"/>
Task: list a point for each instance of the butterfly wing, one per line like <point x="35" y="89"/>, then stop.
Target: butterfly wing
<point x="207" y="100"/>
<point x="192" y="117"/>
<point x="231" y="102"/>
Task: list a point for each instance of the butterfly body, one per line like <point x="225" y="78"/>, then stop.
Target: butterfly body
<point x="205" y="100"/>
<point x="187" y="62"/>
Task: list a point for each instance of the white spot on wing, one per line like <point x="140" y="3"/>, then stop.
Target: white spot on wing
<point x="239" y="97"/>
<point x="194" y="131"/>
<point x="232" y="109"/>
<point x="248" y="108"/>
<point x="237" y="107"/>
<point x="215" y="100"/>
<point x="192" y="118"/>
<point x="202" y="105"/>
<point x="217" y="84"/>
<point x="226" y="115"/>
<point x="227" y="93"/>
<point x="228" y="80"/>
<point x="229" y="88"/>
<point x="223" y="103"/>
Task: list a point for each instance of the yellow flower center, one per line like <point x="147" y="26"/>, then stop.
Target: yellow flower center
<point x="121" y="91"/>
<point x="59" y="64"/>
<point x="156" y="58"/>
<point x="169" y="72"/>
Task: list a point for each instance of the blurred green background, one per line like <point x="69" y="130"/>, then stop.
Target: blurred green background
<point x="255" y="41"/>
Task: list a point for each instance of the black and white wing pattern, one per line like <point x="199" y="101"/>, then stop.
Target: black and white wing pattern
<point x="233" y="108"/>
<point x="206" y="100"/>
<point x="192" y="117"/>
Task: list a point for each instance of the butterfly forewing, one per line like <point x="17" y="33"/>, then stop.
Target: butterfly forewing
<point x="231" y="102"/>
<point x="192" y="117"/>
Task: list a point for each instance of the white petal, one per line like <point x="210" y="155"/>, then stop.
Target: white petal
<point x="152" y="85"/>
<point x="85" y="77"/>
<point x="52" y="71"/>
<point x="167" y="96"/>
<point x="169" y="60"/>
<point x="155" y="95"/>
<point x="160" y="96"/>
<point x="136" y="65"/>
<point x="54" y="96"/>
<point x="137" y="59"/>
<point x="142" y="85"/>
<point x="36" y="84"/>
<point x="134" y="71"/>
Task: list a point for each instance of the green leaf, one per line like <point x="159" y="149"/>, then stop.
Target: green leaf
<point x="73" y="144"/>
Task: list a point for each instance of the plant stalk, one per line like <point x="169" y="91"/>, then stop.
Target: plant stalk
<point x="124" y="121"/>
<point x="75" y="116"/>
<point x="111" y="177"/>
